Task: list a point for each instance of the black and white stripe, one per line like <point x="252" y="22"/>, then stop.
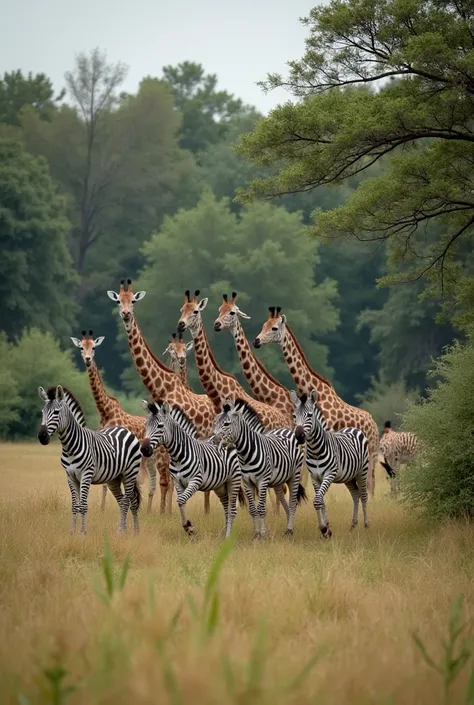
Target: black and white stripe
<point x="267" y="459"/>
<point x="195" y="464"/>
<point x="332" y="456"/>
<point x="108" y="456"/>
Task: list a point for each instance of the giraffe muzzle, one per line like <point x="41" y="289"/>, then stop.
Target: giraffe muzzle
<point x="181" y="327"/>
<point x="147" y="450"/>
<point x="217" y="326"/>
<point x="257" y="343"/>
<point x="43" y="435"/>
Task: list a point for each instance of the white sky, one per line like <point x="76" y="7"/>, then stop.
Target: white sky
<point x="240" y="44"/>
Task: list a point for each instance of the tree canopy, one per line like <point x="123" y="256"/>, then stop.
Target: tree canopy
<point x="388" y="82"/>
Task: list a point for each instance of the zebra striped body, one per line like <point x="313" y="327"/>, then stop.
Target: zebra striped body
<point x="332" y="456"/>
<point x="267" y="459"/>
<point x="195" y="464"/>
<point x="108" y="456"/>
<point x="397" y="448"/>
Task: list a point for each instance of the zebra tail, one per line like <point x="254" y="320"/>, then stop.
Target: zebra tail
<point x="301" y="494"/>
<point x="137" y="494"/>
<point x="390" y="472"/>
<point x="241" y="497"/>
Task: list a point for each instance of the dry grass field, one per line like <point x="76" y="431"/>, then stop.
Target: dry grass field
<point x="287" y="620"/>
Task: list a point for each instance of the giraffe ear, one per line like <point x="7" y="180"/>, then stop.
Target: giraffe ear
<point x="283" y="318"/>
<point x="138" y="296"/>
<point x="113" y="295"/>
<point x="202" y="304"/>
<point x="99" y="340"/>
<point x="190" y="345"/>
<point x="242" y="314"/>
<point x="77" y="342"/>
<point x="145" y="405"/>
<point x="294" y="397"/>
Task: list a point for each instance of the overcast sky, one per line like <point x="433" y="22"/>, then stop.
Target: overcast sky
<point x="239" y="41"/>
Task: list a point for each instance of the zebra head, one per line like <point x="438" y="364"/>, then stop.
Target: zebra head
<point x="306" y="413"/>
<point x="228" y="314"/>
<point x="191" y="312"/>
<point x="87" y="346"/>
<point x="53" y="412"/>
<point x="156" y="426"/>
<point x="227" y="423"/>
<point x="126" y="300"/>
<point x="273" y="330"/>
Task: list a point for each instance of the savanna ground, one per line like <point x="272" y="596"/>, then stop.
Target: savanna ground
<point x="348" y="607"/>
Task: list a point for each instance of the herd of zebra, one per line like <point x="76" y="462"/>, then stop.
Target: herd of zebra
<point x="240" y="460"/>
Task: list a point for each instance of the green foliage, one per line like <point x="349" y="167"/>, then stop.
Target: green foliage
<point x="37" y="360"/>
<point x="419" y="123"/>
<point x="205" y="110"/>
<point x="18" y="91"/>
<point x="37" y="280"/>
<point x="387" y="401"/>
<point x="442" y="480"/>
<point x="457" y="652"/>
<point x="407" y="335"/>
<point x="114" y="581"/>
<point x="265" y="255"/>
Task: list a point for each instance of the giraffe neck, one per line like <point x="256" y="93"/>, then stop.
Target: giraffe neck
<point x="261" y="382"/>
<point x="305" y="377"/>
<point x="157" y="378"/>
<point x="181" y="370"/>
<point x="215" y="381"/>
<point x="106" y="406"/>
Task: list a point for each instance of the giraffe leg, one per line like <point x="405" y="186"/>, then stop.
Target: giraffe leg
<point x="164" y="485"/>
<point x="207" y="502"/>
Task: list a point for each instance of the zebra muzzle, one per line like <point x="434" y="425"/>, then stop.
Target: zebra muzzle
<point x="300" y="435"/>
<point x="43" y="436"/>
<point x="146" y="448"/>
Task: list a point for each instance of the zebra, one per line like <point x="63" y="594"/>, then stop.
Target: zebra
<point x="195" y="464"/>
<point x="267" y="459"/>
<point x="396" y="448"/>
<point x="108" y="456"/>
<point x="332" y="456"/>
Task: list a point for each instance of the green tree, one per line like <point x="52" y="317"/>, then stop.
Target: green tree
<point x="442" y="481"/>
<point x="266" y="255"/>
<point x="407" y="334"/>
<point x="206" y="111"/>
<point x="36" y="359"/>
<point x="387" y="401"/>
<point x="18" y="91"/>
<point x="37" y="279"/>
<point x="420" y="121"/>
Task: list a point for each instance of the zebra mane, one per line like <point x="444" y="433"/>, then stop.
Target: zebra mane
<point x="72" y="403"/>
<point x="249" y="414"/>
<point x="176" y="413"/>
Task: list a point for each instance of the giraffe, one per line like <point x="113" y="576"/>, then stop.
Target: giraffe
<point x="264" y="387"/>
<point x="177" y="351"/>
<point x="112" y="414"/>
<point x="337" y="412"/>
<point x="161" y="382"/>
<point x="218" y="384"/>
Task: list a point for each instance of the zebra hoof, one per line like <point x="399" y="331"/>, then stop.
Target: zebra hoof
<point x="257" y="536"/>
<point x="326" y="533"/>
<point x="288" y="532"/>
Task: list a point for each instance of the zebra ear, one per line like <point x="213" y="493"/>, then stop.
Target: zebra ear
<point x="314" y="396"/>
<point x="294" y="397"/>
<point x="59" y="393"/>
<point x="165" y="408"/>
<point x="42" y="394"/>
<point x="145" y="404"/>
<point x="227" y="405"/>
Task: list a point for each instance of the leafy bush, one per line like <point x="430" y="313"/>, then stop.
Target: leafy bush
<point x="387" y="401"/>
<point x="36" y="360"/>
<point x="442" y="479"/>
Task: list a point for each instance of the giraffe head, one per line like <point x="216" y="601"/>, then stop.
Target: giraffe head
<point x="87" y="346"/>
<point x="177" y="351"/>
<point x="125" y="300"/>
<point x="191" y="312"/>
<point x="228" y="313"/>
<point x="273" y="330"/>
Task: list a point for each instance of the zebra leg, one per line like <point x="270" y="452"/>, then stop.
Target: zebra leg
<point x="249" y="489"/>
<point x="151" y="465"/>
<point x="234" y="484"/>
<point x="86" y="479"/>
<point x="115" y="486"/>
<point x="74" y="488"/>
<point x="353" y="488"/>
<point x="320" y="508"/>
<point x="292" y="483"/>
<point x="280" y="493"/>
<point x="262" y="503"/>
<point x="184" y="496"/>
<point x="130" y="499"/>
<point x="364" y="495"/>
<point x="165" y="482"/>
<point x="223" y="494"/>
<point x="104" y="497"/>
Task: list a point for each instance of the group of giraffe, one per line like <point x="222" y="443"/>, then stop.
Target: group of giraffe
<point x="271" y="400"/>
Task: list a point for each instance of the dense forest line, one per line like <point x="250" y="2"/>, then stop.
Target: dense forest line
<point x="97" y="185"/>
